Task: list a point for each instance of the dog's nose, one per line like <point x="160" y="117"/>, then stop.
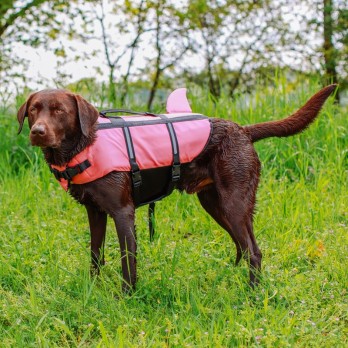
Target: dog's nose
<point x="38" y="129"/>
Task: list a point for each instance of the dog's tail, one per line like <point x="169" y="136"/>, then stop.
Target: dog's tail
<point x="293" y="124"/>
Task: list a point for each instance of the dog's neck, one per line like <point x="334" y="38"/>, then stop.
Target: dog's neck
<point x="70" y="148"/>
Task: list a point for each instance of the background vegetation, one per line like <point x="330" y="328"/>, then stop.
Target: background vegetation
<point x="247" y="61"/>
<point x="223" y="45"/>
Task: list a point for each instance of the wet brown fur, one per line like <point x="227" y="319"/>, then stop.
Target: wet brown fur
<point x="225" y="176"/>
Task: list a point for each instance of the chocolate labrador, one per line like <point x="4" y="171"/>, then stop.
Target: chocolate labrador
<point x="225" y="175"/>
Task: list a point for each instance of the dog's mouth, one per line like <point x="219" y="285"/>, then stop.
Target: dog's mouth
<point x="44" y="142"/>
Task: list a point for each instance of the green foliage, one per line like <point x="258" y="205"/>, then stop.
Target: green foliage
<point x="17" y="156"/>
<point x="36" y="23"/>
<point x="222" y="44"/>
<point x="189" y="293"/>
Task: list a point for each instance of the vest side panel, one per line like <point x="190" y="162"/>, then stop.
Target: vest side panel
<point x="152" y="146"/>
<point x="192" y="138"/>
<point x="107" y="154"/>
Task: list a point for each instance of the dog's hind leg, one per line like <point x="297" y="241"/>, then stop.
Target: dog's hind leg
<point x="256" y="257"/>
<point x="230" y="212"/>
<point x="209" y="201"/>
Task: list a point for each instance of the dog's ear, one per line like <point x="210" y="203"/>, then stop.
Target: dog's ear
<point x="87" y="113"/>
<point x="21" y="115"/>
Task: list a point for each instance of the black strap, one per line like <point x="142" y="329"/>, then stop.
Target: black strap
<point x="125" y="111"/>
<point x="70" y="172"/>
<point x="175" y="174"/>
<point x="119" y="122"/>
<point x="176" y="155"/>
<point x="151" y="217"/>
<point x="135" y="171"/>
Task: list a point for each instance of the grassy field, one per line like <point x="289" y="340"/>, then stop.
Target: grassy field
<point x="189" y="293"/>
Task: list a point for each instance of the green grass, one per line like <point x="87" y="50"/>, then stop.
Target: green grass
<point x="189" y="293"/>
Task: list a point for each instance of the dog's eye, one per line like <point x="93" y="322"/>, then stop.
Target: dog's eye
<point x="59" y="111"/>
<point x="32" y="109"/>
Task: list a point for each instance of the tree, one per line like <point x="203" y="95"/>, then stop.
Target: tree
<point x="37" y="23"/>
<point x="119" y="20"/>
<point x="336" y="56"/>
<point x="236" y="38"/>
<point x="170" y="43"/>
<point x="328" y="47"/>
<point x="342" y="39"/>
<point x="10" y="13"/>
<point x="322" y="41"/>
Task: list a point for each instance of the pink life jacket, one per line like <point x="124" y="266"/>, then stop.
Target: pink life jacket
<point x="138" y="143"/>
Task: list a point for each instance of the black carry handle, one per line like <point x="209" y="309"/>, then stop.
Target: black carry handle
<point x="125" y="111"/>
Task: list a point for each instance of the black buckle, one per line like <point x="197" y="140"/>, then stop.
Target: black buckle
<point x="175" y="172"/>
<point x="55" y="172"/>
<point x="70" y="172"/>
<point x="136" y="178"/>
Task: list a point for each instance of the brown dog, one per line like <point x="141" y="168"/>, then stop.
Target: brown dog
<point x="225" y="175"/>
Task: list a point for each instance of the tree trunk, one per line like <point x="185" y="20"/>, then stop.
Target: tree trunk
<point x="112" y="90"/>
<point x="328" y="47"/>
<point x="213" y="82"/>
<point x="158" y="59"/>
<point x="154" y="88"/>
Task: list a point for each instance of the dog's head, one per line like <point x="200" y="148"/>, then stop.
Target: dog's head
<point x="56" y="115"/>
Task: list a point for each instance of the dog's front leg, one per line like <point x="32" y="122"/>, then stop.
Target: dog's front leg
<point x="124" y="222"/>
<point x="97" y="224"/>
